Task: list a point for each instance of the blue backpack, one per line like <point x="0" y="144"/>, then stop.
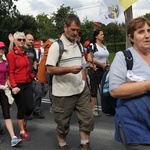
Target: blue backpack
<point x="108" y="103"/>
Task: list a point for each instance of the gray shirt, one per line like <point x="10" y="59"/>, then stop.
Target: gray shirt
<point x="118" y="69"/>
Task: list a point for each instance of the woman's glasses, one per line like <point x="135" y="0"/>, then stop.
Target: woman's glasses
<point x="21" y="40"/>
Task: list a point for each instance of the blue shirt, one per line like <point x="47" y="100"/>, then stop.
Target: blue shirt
<point x="133" y="114"/>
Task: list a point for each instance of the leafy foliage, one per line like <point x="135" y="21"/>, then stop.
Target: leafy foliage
<point x="86" y="30"/>
<point x="147" y="15"/>
<point x="43" y="24"/>
<point x="11" y="24"/>
<point x="28" y="24"/>
<point x="59" y="17"/>
<point x="7" y="8"/>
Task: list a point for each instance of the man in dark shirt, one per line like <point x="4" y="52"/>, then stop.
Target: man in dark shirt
<point x="31" y="53"/>
<point x="34" y="67"/>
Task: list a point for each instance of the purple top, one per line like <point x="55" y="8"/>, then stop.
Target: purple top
<point x="3" y="71"/>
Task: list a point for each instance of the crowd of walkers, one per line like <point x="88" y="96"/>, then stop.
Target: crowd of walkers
<point x="29" y="78"/>
<point x="25" y="79"/>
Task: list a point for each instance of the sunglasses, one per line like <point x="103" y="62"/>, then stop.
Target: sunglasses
<point x="21" y="40"/>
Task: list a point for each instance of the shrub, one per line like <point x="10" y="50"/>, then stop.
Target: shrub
<point x="115" y="47"/>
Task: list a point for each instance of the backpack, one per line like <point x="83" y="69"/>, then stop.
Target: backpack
<point x="108" y="103"/>
<point x="61" y="50"/>
<point x="88" y="48"/>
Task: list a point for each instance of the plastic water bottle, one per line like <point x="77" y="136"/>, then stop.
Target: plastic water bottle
<point x="106" y="89"/>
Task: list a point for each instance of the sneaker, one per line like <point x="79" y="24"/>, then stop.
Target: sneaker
<point x="25" y="136"/>
<point x="96" y="114"/>
<point x="15" y="141"/>
<point x="38" y="115"/>
<point x="85" y="146"/>
<point x="65" y="147"/>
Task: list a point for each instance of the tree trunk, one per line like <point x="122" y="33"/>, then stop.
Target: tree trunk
<point x="128" y="16"/>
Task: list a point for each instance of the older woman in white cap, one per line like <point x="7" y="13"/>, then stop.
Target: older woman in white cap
<point x="4" y="97"/>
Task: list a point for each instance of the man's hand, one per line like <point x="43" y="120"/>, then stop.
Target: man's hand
<point x="76" y="69"/>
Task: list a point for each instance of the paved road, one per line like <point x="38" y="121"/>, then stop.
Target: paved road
<point x="43" y="135"/>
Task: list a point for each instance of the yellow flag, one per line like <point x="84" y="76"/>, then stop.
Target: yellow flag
<point x="127" y="3"/>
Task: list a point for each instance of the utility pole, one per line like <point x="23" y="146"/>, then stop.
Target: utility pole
<point x="128" y="16"/>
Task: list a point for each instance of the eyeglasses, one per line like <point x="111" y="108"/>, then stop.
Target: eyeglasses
<point x="21" y="40"/>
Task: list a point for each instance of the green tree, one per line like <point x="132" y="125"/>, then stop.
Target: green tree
<point x="45" y="26"/>
<point x="54" y="25"/>
<point x="87" y="28"/>
<point x="26" y="24"/>
<point x="147" y="15"/>
<point x="7" y="8"/>
<point x="59" y="17"/>
<point x="22" y="23"/>
<point x="8" y="25"/>
<point x="114" y="36"/>
<point x="7" y="13"/>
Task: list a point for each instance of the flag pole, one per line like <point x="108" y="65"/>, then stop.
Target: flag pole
<point x="128" y="16"/>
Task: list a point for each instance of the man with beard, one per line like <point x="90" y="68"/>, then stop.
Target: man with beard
<point x="69" y="90"/>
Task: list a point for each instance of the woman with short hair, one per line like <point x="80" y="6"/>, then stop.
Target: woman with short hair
<point x="132" y="88"/>
<point x="20" y="78"/>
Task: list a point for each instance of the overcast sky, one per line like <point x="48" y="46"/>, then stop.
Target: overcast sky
<point x="88" y="8"/>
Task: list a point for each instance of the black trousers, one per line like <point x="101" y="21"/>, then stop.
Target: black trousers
<point x="5" y="105"/>
<point x="95" y="80"/>
<point x="24" y="100"/>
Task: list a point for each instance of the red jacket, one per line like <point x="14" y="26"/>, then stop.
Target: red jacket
<point x="18" y="67"/>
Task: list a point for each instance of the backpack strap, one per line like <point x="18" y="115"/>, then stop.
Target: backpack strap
<point x="79" y="45"/>
<point x="92" y="47"/>
<point x="95" y="47"/>
<point x="128" y="59"/>
<point x="61" y="50"/>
